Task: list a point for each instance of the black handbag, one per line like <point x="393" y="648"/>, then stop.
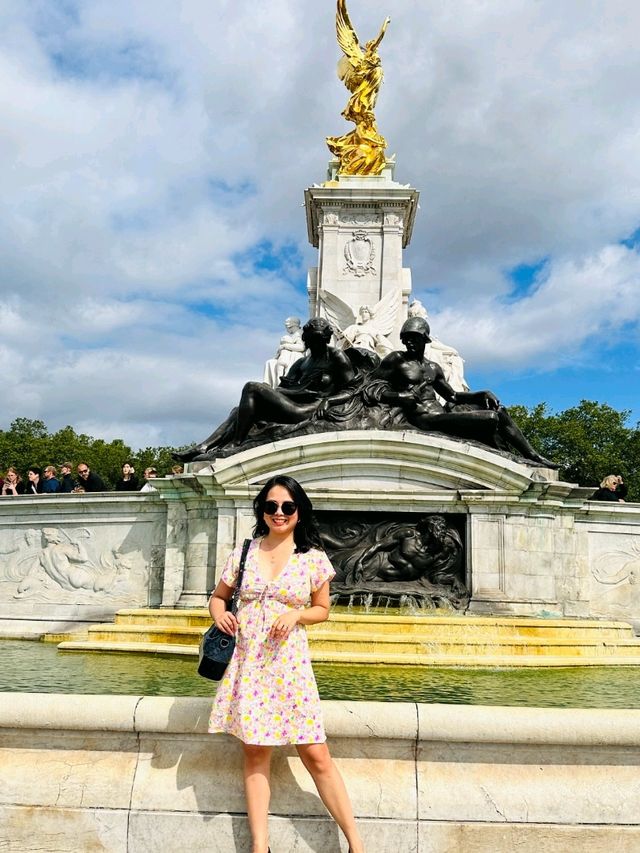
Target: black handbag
<point x="216" y="647"/>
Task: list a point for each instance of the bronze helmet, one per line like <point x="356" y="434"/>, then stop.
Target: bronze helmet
<point x="416" y="326"/>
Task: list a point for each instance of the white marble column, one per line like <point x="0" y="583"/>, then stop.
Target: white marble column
<point x="360" y="226"/>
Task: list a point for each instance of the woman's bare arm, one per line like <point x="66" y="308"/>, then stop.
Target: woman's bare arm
<point x="318" y="611"/>
<point x="223" y="618"/>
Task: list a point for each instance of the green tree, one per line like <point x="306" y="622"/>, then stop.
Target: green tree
<point x="588" y="441"/>
<point x="159" y="458"/>
<point x="27" y="442"/>
<point x="24" y="443"/>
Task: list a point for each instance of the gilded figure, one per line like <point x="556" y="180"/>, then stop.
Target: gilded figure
<point x="362" y="151"/>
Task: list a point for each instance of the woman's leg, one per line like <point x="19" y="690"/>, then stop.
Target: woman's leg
<point x="257" y="766"/>
<point x="317" y="759"/>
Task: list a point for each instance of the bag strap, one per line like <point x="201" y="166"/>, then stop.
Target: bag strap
<point x="243" y="560"/>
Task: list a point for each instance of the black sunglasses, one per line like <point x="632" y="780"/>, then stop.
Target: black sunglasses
<point x="287" y="507"/>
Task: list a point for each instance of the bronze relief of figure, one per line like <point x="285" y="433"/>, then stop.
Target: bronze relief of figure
<point x="411" y="557"/>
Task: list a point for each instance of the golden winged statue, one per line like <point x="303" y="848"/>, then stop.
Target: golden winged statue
<point x="360" y="152"/>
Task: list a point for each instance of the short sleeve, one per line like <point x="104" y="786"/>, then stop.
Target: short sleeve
<point x="320" y="569"/>
<point x="231" y="568"/>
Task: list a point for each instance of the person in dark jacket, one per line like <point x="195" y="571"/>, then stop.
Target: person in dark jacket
<point x="50" y="484"/>
<point x="67" y="483"/>
<point x="89" y="481"/>
<point x="612" y="489"/>
<point x="34" y="484"/>
<point x="128" y="482"/>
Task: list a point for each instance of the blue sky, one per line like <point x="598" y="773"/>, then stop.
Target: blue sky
<point x="153" y="162"/>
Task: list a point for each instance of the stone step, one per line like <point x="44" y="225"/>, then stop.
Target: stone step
<point x="64" y="636"/>
<point x="337" y="639"/>
<point x="166" y="634"/>
<point x="478" y="641"/>
<point x="374" y="648"/>
<point x="461" y="627"/>
<point x="346" y="658"/>
<point x="474" y="646"/>
<point x="138" y="648"/>
<point x="185" y="618"/>
<point x="457" y="627"/>
<point x="491" y="661"/>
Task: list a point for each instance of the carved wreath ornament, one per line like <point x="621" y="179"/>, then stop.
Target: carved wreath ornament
<point x="359" y="254"/>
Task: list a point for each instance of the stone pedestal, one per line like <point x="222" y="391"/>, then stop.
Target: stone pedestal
<point x="535" y="546"/>
<point x="360" y="225"/>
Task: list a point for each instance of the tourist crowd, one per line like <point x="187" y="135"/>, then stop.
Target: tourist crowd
<point x="49" y="480"/>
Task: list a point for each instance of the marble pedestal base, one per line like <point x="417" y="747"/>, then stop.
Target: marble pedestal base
<point x="535" y="546"/>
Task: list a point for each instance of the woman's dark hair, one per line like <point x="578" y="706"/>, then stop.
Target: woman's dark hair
<point x="306" y="534"/>
<point x="35" y="470"/>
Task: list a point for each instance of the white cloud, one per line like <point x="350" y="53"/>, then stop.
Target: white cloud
<point x="149" y="148"/>
<point x="575" y="302"/>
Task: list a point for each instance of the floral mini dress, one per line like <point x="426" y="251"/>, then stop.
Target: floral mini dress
<point x="268" y="695"/>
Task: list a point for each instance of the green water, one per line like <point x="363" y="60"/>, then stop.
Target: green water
<point x="40" y="668"/>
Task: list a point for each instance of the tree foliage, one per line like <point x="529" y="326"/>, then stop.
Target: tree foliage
<point x="588" y="442"/>
<point x="28" y="442"/>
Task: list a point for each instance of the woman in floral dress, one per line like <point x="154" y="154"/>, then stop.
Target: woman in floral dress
<point x="268" y="696"/>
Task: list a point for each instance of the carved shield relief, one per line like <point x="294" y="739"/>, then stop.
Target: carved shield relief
<point x="359" y="254"/>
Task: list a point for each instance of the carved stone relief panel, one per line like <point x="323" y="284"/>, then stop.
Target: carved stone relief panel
<point x="360" y="218"/>
<point x="82" y="565"/>
<point x="330" y="217"/>
<point x="614" y="559"/>
<point x="359" y="253"/>
<point x="392" y="218"/>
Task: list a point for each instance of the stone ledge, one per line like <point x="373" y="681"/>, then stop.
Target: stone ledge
<point x="579" y="727"/>
<point x="57" y="711"/>
<point x="131" y="773"/>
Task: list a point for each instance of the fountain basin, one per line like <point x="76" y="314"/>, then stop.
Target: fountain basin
<point x="39" y="668"/>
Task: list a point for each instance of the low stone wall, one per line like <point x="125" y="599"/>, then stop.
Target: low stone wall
<point x="534" y="546"/>
<point x="130" y="773"/>
<point x="70" y="560"/>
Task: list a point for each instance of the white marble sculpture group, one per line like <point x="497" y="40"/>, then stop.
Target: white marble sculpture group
<point x="369" y="330"/>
